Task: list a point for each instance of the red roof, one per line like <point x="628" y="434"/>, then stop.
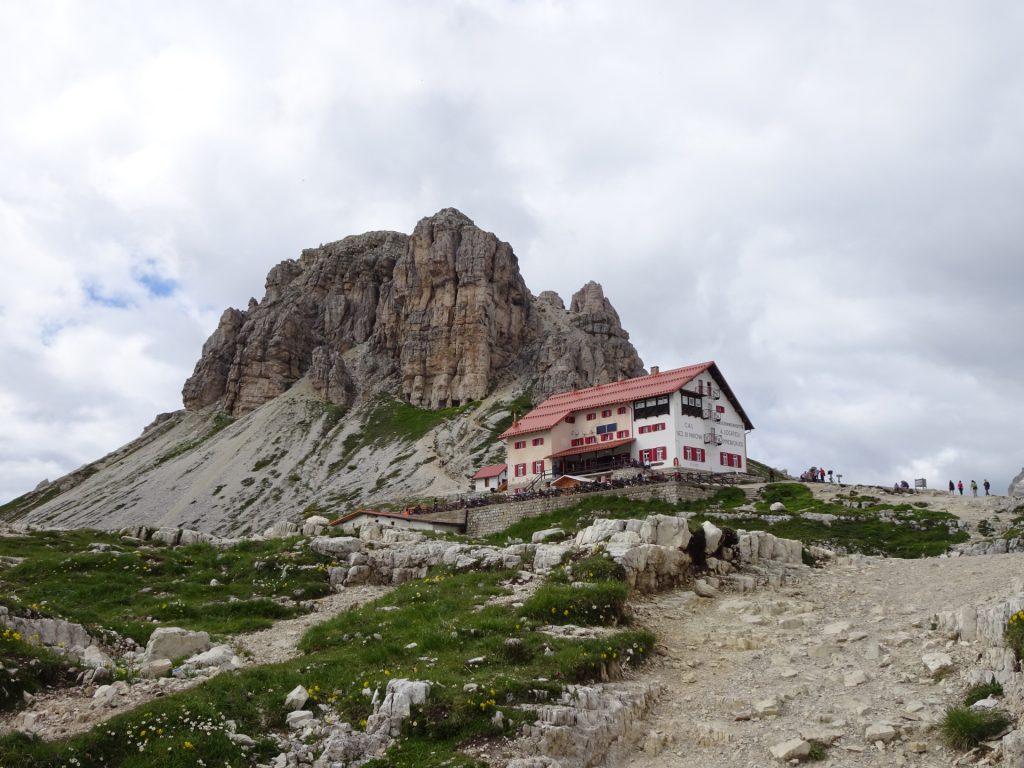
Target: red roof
<point x="592" y="448"/>
<point x="557" y="407"/>
<point x="491" y="470"/>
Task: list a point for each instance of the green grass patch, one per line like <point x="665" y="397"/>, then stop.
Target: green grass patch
<point x="964" y="728"/>
<point x="596" y="567"/>
<point x="599" y="603"/>
<point x="993" y="689"/>
<point x="390" y="420"/>
<point x="134" y="589"/>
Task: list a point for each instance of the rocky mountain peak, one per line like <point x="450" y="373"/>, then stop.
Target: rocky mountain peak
<point x="438" y="317"/>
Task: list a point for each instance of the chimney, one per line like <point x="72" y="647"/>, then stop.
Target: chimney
<point x="655" y="370"/>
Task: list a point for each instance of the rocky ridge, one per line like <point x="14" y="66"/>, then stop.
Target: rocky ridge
<point x="438" y="317"/>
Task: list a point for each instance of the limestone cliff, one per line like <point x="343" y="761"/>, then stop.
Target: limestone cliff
<point x="438" y="318"/>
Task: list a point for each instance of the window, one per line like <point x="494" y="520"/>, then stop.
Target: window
<point x="591" y="416"/>
<point x="694" y="454"/>
<point x="606" y="413"/>
<point x="520" y="470"/>
<point x="652" y="406"/>
<point x="590" y="440"/>
<point x="570" y="419"/>
<point x="690" y="402"/>
<point x="520" y="444"/>
<point x="538" y="467"/>
<point x="622" y="434"/>
<point x="538" y="441"/>
<point x="731" y="460"/>
<point x="576" y="441"/>
<point x="621" y="410"/>
<point x="607" y="428"/>
<point x="607" y="436"/>
<point x="720" y="408"/>
<point x="651" y="455"/>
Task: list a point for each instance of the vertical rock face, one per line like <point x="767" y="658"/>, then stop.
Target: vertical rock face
<point x="440" y="317"/>
<point x="584" y="346"/>
<point x="315" y="309"/>
<point x="455" y="312"/>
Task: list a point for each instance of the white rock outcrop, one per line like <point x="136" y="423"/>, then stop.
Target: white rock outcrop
<point x="174" y="643"/>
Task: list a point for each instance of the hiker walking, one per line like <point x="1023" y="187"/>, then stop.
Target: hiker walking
<point x="974" y="488"/>
<point x="987" y="486"/>
<point x="822" y="472"/>
<point x="830" y="475"/>
<point x="960" y="486"/>
<point x="952" y="488"/>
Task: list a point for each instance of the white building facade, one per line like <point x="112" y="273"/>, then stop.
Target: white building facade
<point x="686" y="418"/>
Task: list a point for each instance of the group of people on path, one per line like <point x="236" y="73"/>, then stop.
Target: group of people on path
<point x="974" y="487"/>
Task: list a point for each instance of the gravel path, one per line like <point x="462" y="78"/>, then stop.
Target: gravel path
<point x="806" y="646"/>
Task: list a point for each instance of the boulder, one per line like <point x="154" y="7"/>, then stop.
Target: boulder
<point x="174" y="643"/>
<point x="712" y="537"/>
<point x="296" y="698"/>
<point x="549" y="556"/>
<point x="794" y="749"/>
<point x="539" y="537"/>
<point x="937" y="663"/>
<point x="335" y="546"/>
<point x="95" y="657"/>
<point x="298" y="718"/>
<point x="219" y="657"/>
<point x="882" y="732"/>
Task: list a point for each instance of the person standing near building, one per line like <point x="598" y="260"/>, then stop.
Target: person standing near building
<point x="974" y="488"/>
<point x="986" y="486"/>
<point x="960" y="486"/>
<point x="952" y="488"/>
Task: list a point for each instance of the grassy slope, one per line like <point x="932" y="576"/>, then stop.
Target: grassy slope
<point x="135" y="589"/>
<point x="443" y="615"/>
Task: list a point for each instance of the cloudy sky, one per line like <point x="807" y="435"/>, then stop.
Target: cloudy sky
<point x="825" y="197"/>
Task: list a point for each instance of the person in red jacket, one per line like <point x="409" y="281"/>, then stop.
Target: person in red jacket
<point x="960" y="486"/>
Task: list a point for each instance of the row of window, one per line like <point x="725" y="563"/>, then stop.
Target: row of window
<point x="731" y="460"/>
<point x="522" y="443"/>
<point x="650" y="456"/>
<point x="646" y="428"/>
<point x="652" y="406"/>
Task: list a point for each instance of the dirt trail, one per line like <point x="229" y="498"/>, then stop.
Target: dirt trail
<point x="70" y="711"/>
<point x="805" y="646"/>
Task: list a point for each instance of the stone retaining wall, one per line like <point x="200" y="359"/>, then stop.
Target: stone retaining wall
<point x="486" y="520"/>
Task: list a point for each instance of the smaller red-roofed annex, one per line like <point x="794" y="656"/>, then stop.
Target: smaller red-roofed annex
<point x="685" y="417"/>
<point x="491" y="476"/>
